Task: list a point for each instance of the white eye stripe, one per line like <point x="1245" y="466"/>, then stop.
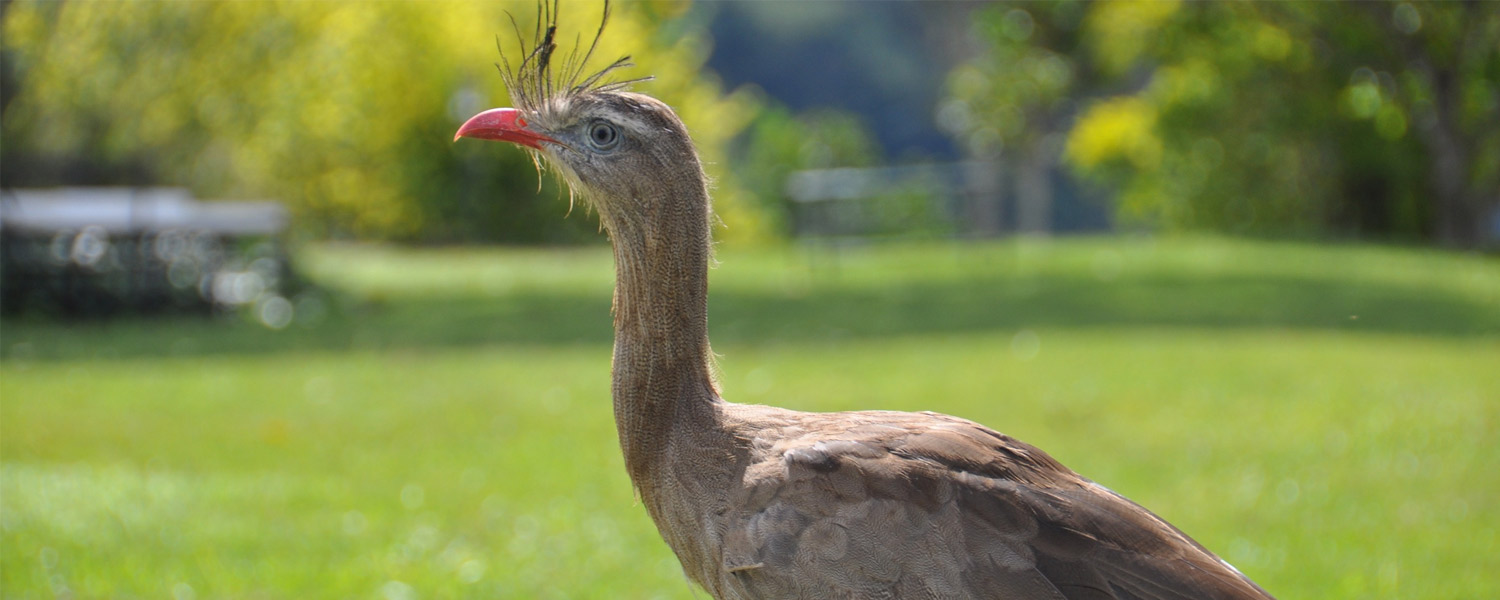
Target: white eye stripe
<point x="630" y="123"/>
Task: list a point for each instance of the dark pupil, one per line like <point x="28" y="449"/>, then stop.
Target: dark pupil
<point x="603" y="134"/>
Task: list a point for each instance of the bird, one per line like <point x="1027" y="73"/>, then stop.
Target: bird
<point x="765" y="502"/>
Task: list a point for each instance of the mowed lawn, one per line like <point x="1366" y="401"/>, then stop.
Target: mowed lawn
<point x="437" y="423"/>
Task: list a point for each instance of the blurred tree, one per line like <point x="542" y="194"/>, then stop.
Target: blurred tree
<point x="780" y="142"/>
<point x="1014" y="100"/>
<point x="1019" y="88"/>
<point x="345" y="111"/>
<point x="1373" y="119"/>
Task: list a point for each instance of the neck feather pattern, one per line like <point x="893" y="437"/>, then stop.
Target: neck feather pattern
<point x="663" y="366"/>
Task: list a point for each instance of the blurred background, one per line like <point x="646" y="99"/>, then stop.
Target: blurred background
<point x="269" y="332"/>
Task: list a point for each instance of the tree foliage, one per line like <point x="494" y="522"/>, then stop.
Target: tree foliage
<point x="1020" y="89"/>
<point x="1374" y="119"/>
<point x="344" y="111"/>
<point x="781" y="142"/>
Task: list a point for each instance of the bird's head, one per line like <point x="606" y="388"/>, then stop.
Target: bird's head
<point x="613" y="147"/>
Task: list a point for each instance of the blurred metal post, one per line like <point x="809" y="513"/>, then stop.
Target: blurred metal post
<point x="984" y="196"/>
<point x="1034" y="192"/>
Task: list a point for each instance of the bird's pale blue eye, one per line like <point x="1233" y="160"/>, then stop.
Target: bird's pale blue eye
<point x="603" y="135"/>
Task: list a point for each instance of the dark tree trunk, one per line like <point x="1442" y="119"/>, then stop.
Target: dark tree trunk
<point x="1460" y="204"/>
<point x="1456" y="218"/>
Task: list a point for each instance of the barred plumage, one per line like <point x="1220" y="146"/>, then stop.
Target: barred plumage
<point x="762" y="502"/>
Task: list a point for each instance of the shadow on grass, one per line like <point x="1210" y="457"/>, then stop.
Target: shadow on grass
<point x="822" y="312"/>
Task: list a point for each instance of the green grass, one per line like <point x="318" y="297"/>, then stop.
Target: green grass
<point x="1323" y="417"/>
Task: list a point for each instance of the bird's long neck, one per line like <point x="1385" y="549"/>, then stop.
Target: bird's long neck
<point x="663" y="375"/>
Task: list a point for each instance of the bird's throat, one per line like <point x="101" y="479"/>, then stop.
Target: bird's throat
<point x="662" y="379"/>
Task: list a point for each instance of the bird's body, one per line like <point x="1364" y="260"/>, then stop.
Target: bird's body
<point x="881" y="504"/>
<point x="763" y="502"/>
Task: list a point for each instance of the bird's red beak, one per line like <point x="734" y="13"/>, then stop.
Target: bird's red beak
<point x="504" y="124"/>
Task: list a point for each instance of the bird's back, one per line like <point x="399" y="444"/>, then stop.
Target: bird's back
<point x="922" y="505"/>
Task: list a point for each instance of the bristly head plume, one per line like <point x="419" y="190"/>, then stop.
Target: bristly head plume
<point x="535" y="86"/>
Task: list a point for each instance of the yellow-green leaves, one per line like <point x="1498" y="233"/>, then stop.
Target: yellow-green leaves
<point x="1118" y="129"/>
<point x="343" y="111"/>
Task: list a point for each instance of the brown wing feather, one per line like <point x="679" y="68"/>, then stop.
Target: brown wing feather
<point x="899" y="505"/>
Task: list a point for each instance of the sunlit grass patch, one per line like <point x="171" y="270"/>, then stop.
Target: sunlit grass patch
<point x="1320" y="416"/>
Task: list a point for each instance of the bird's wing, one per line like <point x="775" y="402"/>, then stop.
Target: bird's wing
<point x="896" y="505"/>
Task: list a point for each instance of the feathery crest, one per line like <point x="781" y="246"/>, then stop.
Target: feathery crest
<point x="535" y="84"/>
